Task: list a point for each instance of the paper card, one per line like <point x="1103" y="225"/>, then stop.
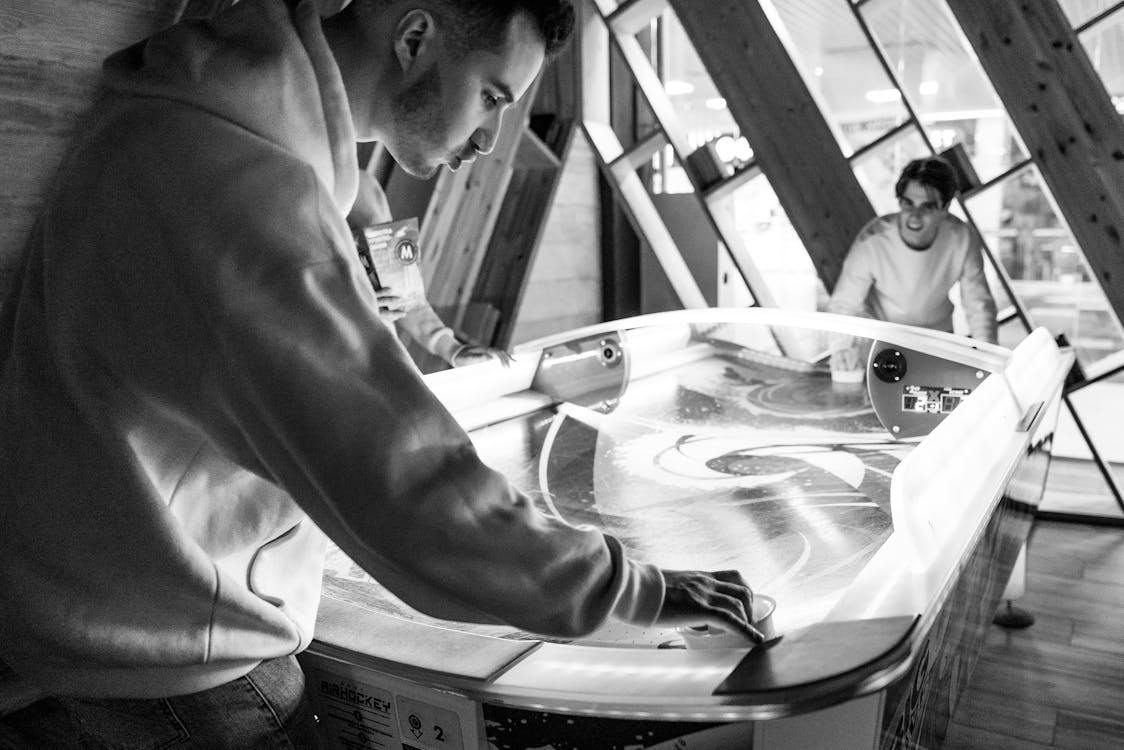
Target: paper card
<point x="392" y="260"/>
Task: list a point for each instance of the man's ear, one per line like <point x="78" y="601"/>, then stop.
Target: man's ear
<point x="412" y="37"/>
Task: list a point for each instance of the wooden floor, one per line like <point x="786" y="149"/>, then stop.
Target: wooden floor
<point x="1077" y="486"/>
<point x="1059" y="683"/>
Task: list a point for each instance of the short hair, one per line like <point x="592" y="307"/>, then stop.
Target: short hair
<point x="477" y="24"/>
<point x="935" y="172"/>
<point x="482" y="18"/>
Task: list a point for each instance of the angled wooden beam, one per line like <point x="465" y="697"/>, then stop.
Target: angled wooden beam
<point x="52" y="52"/>
<point x="462" y="214"/>
<point x="640" y="154"/>
<point x="652" y="87"/>
<point x="627" y="189"/>
<point x="630" y="17"/>
<point x="792" y="143"/>
<point x="1057" y="102"/>
<point x="644" y="215"/>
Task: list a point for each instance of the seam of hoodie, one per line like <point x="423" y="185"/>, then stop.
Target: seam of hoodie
<point x="186" y="470"/>
<point x="195" y="106"/>
<point x="333" y="98"/>
<point x="307" y="170"/>
<point x="214" y="609"/>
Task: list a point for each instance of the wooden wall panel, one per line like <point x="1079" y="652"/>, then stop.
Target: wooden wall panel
<point x="563" y="288"/>
<point x="1065" y="117"/>
<point x="50" y="56"/>
<point x="777" y="114"/>
<point x="461" y="215"/>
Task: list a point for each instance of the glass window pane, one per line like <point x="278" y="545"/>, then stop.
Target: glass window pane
<point x="701" y="111"/>
<point x="1048" y="272"/>
<point x="668" y="174"/>
<point x="1004" y="306"/>
<point x="1011" y="333"/>
<point x="877" y="170"/>
<point x="1104" y="43"/>
<point x="693" y="243"/>
<point x="833" y="55"/>
<point x="1082" y="11"/>
<point x="1075" y="484"/>
<point x="1002" y="301"/>
<point x="943" y="82"/>
<point x="755" y="214"/>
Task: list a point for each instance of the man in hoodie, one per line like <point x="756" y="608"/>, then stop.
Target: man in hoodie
<point x="417" y="322"/>
<point x="196" y="385"/>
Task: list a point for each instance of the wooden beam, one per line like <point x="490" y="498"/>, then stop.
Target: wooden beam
<point x="52" y="54"/>
<point x="505" y="270"/>
<point x="792" y="143"/>
<point x="622" y="249"/>
<point x="631" y="17"/>
<point x="513" y="246"/>
<point x="1057" y="102"/>
<point x="644" y="215"/>
<point x="640" y="154"/>
<point x="652" y="87"/>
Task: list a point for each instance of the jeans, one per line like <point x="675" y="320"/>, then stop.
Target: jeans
<point x="265" y="710"/>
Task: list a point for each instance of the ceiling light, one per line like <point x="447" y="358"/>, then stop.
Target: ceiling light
<point x="883" y="96"/>
<point x="678" y="88"/>
<point x="742" y="150"/>
<point x="716" y="103"/>
<point x="928" y="88"/>
<point x="725" y="148"/>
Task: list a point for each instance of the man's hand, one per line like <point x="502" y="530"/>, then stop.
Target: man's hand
<point x="845" y="360"/>
<point x="720" y="600"/>
<point x="391" y="306"/>
<point x="471" y="354"/>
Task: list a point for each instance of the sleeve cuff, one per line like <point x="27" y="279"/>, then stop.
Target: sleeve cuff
<point x="444" y="344"/>
<point x="639" y="588"/>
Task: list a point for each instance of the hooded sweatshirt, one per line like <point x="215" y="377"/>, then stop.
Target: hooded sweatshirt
<point x="196" y="387"/>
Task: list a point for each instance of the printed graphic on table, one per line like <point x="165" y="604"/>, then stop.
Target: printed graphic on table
<point x="354" y="715"/>
<point x="428" y="727"/>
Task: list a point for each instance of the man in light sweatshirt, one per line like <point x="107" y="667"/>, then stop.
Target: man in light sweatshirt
<point x="196" y="385"/>
<point x="418" y="322"/>
<point x="902" y="266"/>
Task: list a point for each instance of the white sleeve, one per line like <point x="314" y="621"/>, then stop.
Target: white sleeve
<point x="853" y="286"/>
<point x="975" y="294"/>
<point x="850" y="294"/>
<point x="423" y="325"/>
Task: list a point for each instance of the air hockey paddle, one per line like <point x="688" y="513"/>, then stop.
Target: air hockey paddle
<point x="705" y="637"/>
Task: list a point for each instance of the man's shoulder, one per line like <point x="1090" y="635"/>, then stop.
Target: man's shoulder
<point x="957" y="232"/>
<point x="875" y="232"/>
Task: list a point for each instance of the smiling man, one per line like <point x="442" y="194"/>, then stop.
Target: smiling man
<point x="196" y="385"/>
<point x="902" y="266"/>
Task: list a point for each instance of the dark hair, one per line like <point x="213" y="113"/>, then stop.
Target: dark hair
<point x="933" y="171"/>
<point x="479" y="22"/>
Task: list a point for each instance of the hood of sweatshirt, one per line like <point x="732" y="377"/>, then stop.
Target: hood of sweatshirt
<point x="295" y="101"/>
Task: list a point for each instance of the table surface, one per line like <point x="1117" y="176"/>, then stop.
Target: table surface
<point x="720" y="463"/>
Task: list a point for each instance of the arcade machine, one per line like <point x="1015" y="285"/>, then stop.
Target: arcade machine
<point x="881" y="516"/>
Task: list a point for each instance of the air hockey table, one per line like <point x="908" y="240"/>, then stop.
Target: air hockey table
<point x="884" y="517"/>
